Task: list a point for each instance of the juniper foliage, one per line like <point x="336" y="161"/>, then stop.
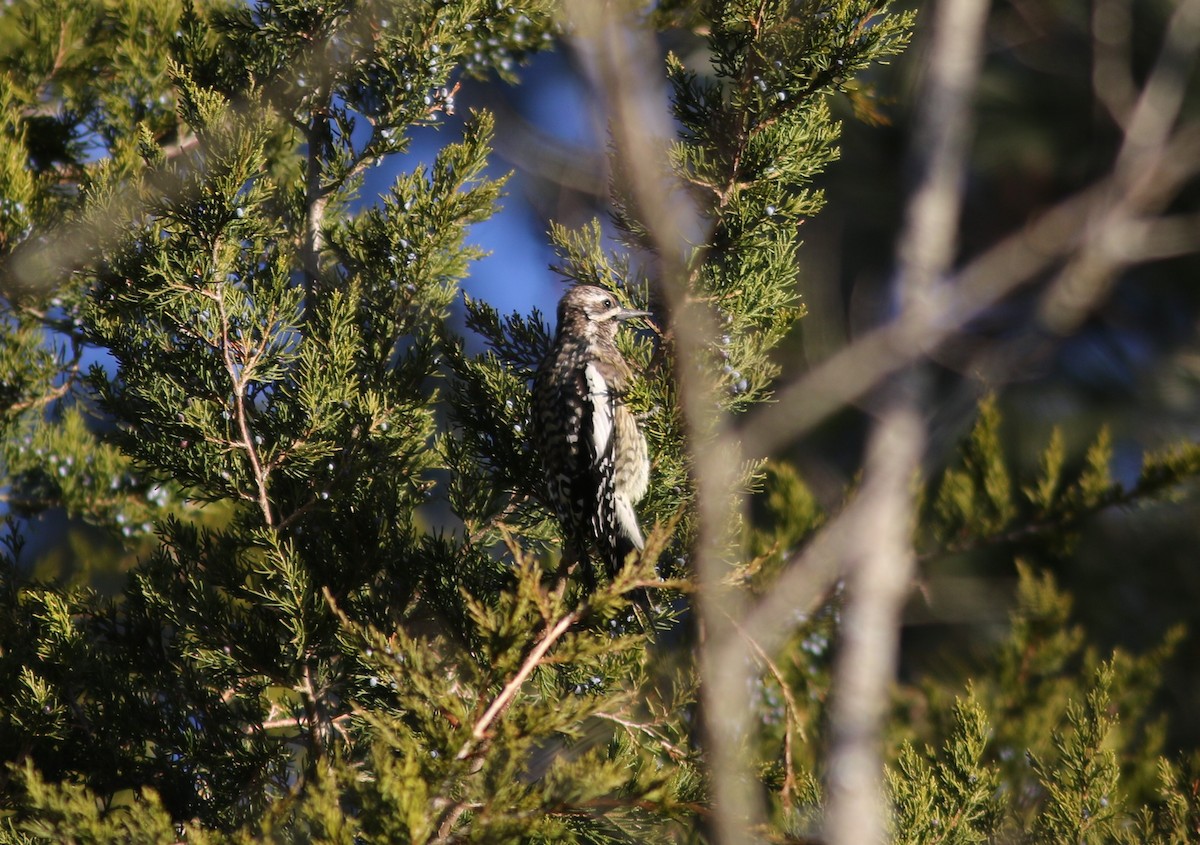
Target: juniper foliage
<point x="340" y="620"/>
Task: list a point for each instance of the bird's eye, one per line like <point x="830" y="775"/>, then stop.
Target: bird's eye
<point x="608" y="303"/>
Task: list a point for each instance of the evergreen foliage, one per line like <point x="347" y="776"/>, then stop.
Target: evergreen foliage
<point x="344" y="622"/>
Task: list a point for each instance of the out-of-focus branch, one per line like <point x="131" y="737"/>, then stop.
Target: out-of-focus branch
<point x="921" y="327"/>
<point x="1157" y="108"/>
<point x="1090" y="274"/>
<point x="879" y="563"/>
<point x="620" y="62"/>
<point x="571" y="167"/>
<point x="1112" y="52"/>
<point x="879" y="567"/>
<point x="1103" y="230"/>
<point x="1138" y="233"/>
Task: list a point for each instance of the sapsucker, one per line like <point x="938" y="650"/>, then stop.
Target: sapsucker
<point x="592" y="452"/>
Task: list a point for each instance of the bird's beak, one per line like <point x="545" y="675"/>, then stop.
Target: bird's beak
<point x="629" y="314"/>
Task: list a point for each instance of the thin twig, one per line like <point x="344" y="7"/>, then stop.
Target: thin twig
<point x="787" y="792"/>
<point x="51" y="396"/>
<point x="673" y="750"/>
<point x="498" y="705"/>
<point x="237" y="375"/>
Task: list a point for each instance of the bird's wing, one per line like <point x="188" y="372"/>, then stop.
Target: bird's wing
<point x="614" y="524"/>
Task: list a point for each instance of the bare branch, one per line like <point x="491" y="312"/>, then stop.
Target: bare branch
<point x="880" y="566"/>
<point x="618" y="60"/>
<point x="1112" y="56"/>
<point x="238" y="381"/>
<point x="922" y="326"/>
<point x="880" y="563"/>
<point x="316" y="134"/>
<point x="532" y="661"/>
<point x="1143" y="155"/>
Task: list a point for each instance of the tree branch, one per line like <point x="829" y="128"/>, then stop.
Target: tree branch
<point x="237" y="376"/>
<point x="501" y="702"/>
<point x="618" y="63"/>
<point x="880" y="563"/>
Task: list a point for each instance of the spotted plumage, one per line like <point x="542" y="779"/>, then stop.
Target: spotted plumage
<point x="593" y="455"/>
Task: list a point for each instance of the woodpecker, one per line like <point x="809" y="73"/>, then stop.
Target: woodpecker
<point x="593" y="455"/>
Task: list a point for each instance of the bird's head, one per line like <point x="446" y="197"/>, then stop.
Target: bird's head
<point x="593" y="312"/>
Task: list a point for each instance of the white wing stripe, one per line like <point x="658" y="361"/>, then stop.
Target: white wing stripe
<point x="602" y="421"/>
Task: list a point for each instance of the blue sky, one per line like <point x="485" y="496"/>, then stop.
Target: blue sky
<point x="515" y="276"/>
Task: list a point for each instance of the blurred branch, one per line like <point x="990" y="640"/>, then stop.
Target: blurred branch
<point x="1112" y="53"/>
<point x="1107" y="228"/>
<point x="922" y="326"/>
<point x="880" y="563"/>
<point x="1144" y="153"/>
<point x="879" y="566"/>
<point x="621" y="61"/>
<point x="1158" y="106"/>
<point x="572" y="167"/>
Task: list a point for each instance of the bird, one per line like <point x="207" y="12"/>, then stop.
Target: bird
<point x="593" y="454"/>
